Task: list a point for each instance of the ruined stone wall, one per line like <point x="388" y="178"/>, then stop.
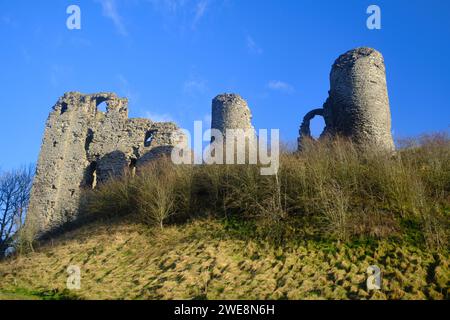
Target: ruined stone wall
<point x="358" y="102"/>
<point x="83" y="146"/>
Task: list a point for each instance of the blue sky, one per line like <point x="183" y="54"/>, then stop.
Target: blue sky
<point x="171" y="57"/>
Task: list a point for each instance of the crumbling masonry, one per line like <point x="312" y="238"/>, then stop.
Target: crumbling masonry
<point x="358" y="102"/>
<point x="233" y="118"/>
<point x="230" y="111"/>
<point x="83" y="146"/>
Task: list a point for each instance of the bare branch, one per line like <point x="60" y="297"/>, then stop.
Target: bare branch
<point x="15" y="187"/>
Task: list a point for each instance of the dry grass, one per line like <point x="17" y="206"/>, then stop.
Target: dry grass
<point x="226" y="232"/>
<point x="201" y="260"/>
<point x="333" y="188"/>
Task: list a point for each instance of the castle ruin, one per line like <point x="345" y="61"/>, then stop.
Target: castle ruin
<point x="358" y="102"/>
<point x="84" y="146"/>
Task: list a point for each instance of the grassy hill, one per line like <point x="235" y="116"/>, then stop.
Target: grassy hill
<point x="204" y="260"/>
<point x="228" y="232"/>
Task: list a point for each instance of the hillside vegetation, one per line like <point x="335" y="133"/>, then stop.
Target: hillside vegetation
<point x="207" y="260"/>
<point x="226" y="232"/>
<point x="333" y="190"/>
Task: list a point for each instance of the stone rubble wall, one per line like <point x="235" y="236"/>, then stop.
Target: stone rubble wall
<point x="83" y="146"/>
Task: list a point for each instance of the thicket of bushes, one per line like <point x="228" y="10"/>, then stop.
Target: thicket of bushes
<point x="330" y="190"/>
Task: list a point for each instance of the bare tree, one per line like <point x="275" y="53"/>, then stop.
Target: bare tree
<point x="15" y="187"/>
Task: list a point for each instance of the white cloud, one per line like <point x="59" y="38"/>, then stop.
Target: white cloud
<point x="158" y="117"/>
<point x="278" y="85"/>
<point x="169" y="5"/>
<point x="200" y="10"/>
<point x="194" y="86"/>
<point x="109" y="10"/>
<point x="126" y="89"/>
<point x="252" y="46"/>
<point x="185" y="13"/>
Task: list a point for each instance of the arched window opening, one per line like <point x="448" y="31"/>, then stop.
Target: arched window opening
<point x="317" y="126"/>
<point x="102" y="106"/>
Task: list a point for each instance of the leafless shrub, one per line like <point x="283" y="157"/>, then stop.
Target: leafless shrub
<point x="15" y="189"/>
<point x="161" y="190"/>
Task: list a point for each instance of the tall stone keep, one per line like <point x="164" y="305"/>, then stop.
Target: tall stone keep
<point x="358" y="102"/>
<point x="83" y="147"/>
<point x="231" y="111"/>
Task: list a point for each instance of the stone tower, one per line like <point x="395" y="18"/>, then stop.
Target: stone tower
<point x="83" y="147"/>
<point x="358" y="102"/>
<point x="230" y="111"/>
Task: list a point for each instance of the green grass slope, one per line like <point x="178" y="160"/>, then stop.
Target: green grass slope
<point x="202" y="260"/>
